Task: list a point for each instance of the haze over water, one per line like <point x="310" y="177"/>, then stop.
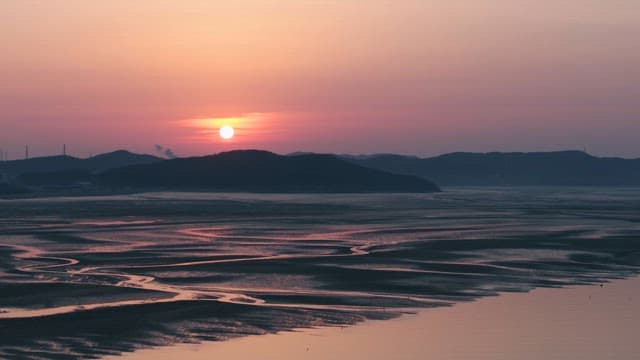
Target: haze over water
<point x="86" y="277"/>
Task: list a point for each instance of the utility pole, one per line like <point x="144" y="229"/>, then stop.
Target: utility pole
<point x="26" y="152"/>
<point x="64" y="149"/>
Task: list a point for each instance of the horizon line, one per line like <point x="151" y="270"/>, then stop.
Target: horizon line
<point x="4" y="157"/>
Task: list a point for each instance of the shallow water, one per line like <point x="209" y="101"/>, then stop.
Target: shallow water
<point x="580" y="322"/>
<point x="87" y="277"/>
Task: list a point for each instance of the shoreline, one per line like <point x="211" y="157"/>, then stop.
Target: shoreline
<point x="581" y="321"/>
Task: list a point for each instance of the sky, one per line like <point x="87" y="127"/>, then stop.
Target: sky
<point x="344" y="76"/>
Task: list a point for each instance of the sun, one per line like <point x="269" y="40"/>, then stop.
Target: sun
<point x="226" y="132"/>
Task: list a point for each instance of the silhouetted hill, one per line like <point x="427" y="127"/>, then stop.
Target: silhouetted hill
<point x="511" y="169"/>
<point x="253" y="170"/>
<point x="262" y="171"/>
<point x="62" y="163"/>
<point x="119" y="158"/>
<point x="40" y="164"/>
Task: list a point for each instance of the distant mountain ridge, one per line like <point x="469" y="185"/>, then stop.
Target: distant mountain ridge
<point x="254" y="170"/>
<point x="263" y="171"/>
<point x="561" y="168"/>
<point x="61" y="163"/>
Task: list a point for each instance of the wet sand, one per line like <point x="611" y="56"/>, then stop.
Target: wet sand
<point x="98" y="276"/>
<point x="583" y="322"/>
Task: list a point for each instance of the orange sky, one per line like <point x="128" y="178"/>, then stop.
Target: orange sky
<point x="357" y="76"/>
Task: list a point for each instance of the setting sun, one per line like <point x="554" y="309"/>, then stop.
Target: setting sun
<point x="276" y="171"/>
<point x="226" y="132"/>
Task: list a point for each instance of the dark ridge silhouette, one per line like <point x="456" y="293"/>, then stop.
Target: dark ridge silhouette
<point x="563" y="168"/>
<point x="63" y="163"/>
<point x="262" y="171"/>
<point x="40" y="164"/>
<point x="118" y="159"/>
<point x="253" y="170"/>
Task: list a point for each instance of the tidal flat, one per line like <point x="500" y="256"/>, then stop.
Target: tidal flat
<point x="88" y="277"/>
<point x="578" y="322"/>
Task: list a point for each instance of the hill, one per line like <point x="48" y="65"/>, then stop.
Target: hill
<point x="118" y="158"/>
<point x="570" y="168"/>
<point x="262" y="171"/>
<point x="40" y="164"/>
<point x="65" y="163"/>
